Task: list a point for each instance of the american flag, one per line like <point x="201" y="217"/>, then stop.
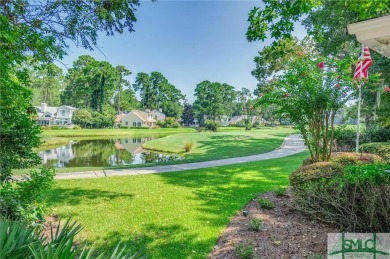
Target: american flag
<point x="365" y="61"/>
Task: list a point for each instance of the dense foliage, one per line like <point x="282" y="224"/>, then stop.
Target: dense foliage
<point x="157" y="93"/>
<point x="309" y="94"/>
<point x="20" y="241"/>
<point x="345" y="138"/>
<point x="356" y="196"/>
<point x="326" y="22"/>
<point x="213" y="100"/>
<point x="381" y="149"/>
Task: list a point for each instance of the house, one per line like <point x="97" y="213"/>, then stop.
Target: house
<point x="241" y="119"/>
<point x="158" y="115"/>
<point x="138" y="118"/>
<point x="224" y="120"/>
<point x="57" y="157"/>
<point x="118" y="119"/>
<point x="373" y="33"/>
<point x="49" y="115"/>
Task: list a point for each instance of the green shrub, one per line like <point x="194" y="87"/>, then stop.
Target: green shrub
<point x="280" y="191"/>
<point x="346" y="158"/>
<point x="315" y="171"/>
<point x="20" y="241"/>
<point x="381" y="149"/>
<point x="211" y="125"/>
<point x="355" y="199"/>
<point x="24" y="199"/>
<point x="256" y="224"/>
<point x="248" y="126"/>
<point x="188" y="145"/>
<point x="168" y="123"/>
<point x="266" y="204"/>
<point x="344" y="139"/>
<point x="377" y="134"/>
<point x="76" y="127"/>
<point x="161" y="124"/>
<point x="245" y="250"/>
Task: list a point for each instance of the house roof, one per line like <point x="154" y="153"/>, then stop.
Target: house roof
<point x="157" y="111"/>
<point x="119" y="117"/>
<point x="374" y="33"/>
<point x="143" y="116"/>
<point x="69" y="107"/>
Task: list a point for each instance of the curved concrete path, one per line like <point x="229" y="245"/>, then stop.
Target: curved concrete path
<point x="292" y="144"/>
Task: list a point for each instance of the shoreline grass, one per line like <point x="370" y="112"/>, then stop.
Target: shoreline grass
<point x="170" y="215"/>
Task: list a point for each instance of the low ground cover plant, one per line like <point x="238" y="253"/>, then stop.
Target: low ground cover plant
<point x="245" y="250"/>
<point x="280" y="191"/>
<point x="188" y="145"/>
<point x="256" y="224"/>
<point x="20" y="241"/>
<point x="354" y="196"/>
<point x="265" y="204"/>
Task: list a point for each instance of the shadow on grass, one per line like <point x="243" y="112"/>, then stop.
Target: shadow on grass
<point x="73" y="196"/>
<point x="157" y="241"/>
<point x="211" y="197"/>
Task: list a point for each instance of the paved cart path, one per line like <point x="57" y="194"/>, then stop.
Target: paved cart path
<point x="292" y="144"/>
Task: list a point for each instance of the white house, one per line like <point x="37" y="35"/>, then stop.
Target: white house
<point x="237" y="119"/>
<point x="61" y="155"/>
<point x="224" y="120"/>
<point x="49" y="115"/>
<point x="138" y="118"/>
<point x="158" y="115"/>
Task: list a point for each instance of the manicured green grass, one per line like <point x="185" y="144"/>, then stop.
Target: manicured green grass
<point x="53" y="137"/>
<point x="171" y="215"/>
<point x="220" y="145"/>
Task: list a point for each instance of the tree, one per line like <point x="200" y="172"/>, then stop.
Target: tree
<point x="91" y="83"/>
<point x="326" y="22"/>
<point x="278" y="17"/>
<point x="128" y="100"/>
<point x="46" y="84"/>
<point x="213" y="100"/>
<point x="121" y="82"/>
<point x="82" y="117"/>
<point x="157" y="93"/>
<point x="188" y="114"/>
<point x="42" y="29"/>
<point x="309" y="94"/>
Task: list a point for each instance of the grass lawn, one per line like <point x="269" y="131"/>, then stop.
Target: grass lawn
<point x="219" y="145"/>
<point x="171" y="215"/>
<point x="61" y="136"/>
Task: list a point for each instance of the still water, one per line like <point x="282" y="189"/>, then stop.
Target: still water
<point x="103" y="152"/>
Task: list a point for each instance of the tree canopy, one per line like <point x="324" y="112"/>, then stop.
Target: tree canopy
<point x="157" y="93"/>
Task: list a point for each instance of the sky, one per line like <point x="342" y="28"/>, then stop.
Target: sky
<point x="187" y="41"/>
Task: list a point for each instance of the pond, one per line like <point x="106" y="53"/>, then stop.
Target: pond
<point x="104" y="152"/>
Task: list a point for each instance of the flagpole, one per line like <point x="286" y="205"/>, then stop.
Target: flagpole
<point x="358" y="120"/>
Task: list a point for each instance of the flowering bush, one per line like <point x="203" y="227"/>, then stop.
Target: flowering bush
<point x="309" y="94"/>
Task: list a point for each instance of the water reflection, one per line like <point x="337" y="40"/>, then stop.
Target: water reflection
<point x="103" y="152"/>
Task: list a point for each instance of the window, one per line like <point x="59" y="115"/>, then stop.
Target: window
<point x="127" y="123"/>
<point x="62" y="112"/>
<point x="139" y="124"/>
<point x="134" y="124"/>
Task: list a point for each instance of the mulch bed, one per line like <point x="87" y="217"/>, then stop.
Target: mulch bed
<point x="286" y="233"/>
